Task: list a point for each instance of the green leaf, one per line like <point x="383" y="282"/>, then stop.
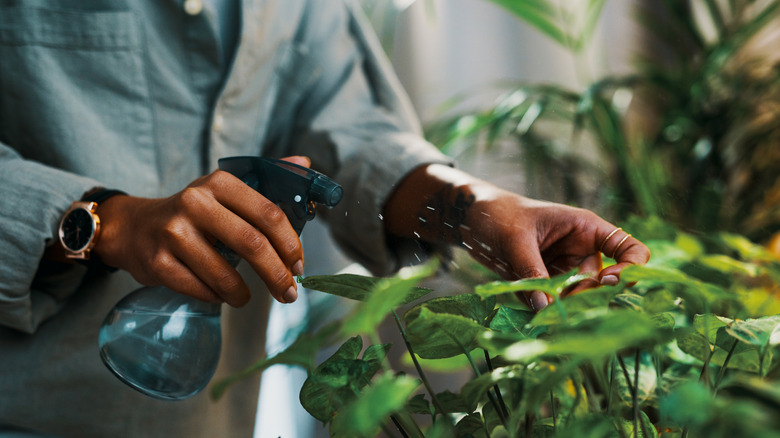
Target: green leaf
<point x="364" y="416"/>
<point x="511" y="321"/>
<point x="586" y="302"/>
<point x="538" y="13"/>
<point x="301" y="353"/>
<point x="727" y="264"/>
<point x="552" y="286"/>
<point x="354" y="287"/>
<point x="440" y="335"/>
<point x="646" y="427"/>
<point x="473" y="392"/>
<point x="648" y="379"/>
<point x="467" y="305"/>
<point x="709" y="324"/>
<point x="602" y="334"/>
<point x="336" y="381"/>
<point x="471" y="425"/>
<point x="386" y="295"/>
<point x="760" y="332"/>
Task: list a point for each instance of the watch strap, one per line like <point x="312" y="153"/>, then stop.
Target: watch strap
<point x="100" y="194"/>
<point x="97" y="196"/>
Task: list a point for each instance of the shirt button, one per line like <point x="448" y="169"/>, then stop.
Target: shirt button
<point x="193" y="7"/>
<point x="216" y="124"/>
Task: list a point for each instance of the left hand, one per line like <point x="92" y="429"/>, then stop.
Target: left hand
<point x="515" y="236"/>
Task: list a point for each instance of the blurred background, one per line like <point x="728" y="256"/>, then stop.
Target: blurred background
<point x="637" y="109"/>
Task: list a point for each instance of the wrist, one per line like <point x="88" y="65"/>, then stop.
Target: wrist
<point x="434" y="203"/>
<point x="112" y="213"/>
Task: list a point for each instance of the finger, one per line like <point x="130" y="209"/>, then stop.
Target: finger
<point x="625" y="249"/>
<point x="176" y="276"/>
<point x="590" y="265"/>
<point x="205" y="262"/>
<point x="299" y="160"/>
<point x="262" y="254"/>
<point x="250" y="212"/>
<point x="528" y="263"/>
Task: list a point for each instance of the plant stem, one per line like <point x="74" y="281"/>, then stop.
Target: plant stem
<point x="439" y="409"/>
<point x="635" y="393"/>
<point x="474" y="366"/>
<point x="722" y="371"/>
<point x="705" y="368"/>
<point x="552" y="408"/>
<point x="625" y="373"/>
<point x="590" y="393"/>
<point x="611" y="383"/>
<point x="389" y="432"/>
<point x="499" y="397"/>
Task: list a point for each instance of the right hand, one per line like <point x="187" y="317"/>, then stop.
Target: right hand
<point x="170" y="241"/>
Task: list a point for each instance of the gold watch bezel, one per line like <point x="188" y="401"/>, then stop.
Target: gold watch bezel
<point x="83" y="252"/>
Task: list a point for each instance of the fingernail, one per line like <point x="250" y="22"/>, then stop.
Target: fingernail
<point x="291" y="295"/>
<point x="539" y="300"/>
<point x="297" y="268"/>
<point x="609" y="280"/>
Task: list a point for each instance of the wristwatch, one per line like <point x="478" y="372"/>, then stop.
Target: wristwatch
<point x="80" y="226"/>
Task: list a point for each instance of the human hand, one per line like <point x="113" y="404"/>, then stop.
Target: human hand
<point x="515" y="236"/>
<point x="170" y="241"/>
<point x="523" y="238"/>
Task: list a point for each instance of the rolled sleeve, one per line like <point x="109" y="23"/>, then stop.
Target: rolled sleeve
<point x="34" y="197"/>
<point x="358" y="126"/>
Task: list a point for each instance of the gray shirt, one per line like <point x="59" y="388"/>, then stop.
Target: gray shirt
<point x="139" y="95"/>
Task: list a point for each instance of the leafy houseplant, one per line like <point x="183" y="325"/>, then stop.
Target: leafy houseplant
<point x="655" y="358"/>
<point x="685" y="346"/>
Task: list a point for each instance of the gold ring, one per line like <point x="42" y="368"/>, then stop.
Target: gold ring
<point x="614" y="253"/>
<point x="609" y="236"/>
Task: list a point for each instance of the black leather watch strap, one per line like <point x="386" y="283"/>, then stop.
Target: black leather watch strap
<point x="99" y="195"/>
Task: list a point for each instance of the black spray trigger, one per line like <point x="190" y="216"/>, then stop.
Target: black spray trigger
<point x="295" y="189"/>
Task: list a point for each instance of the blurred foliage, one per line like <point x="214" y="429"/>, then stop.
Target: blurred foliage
<point x="691" y="136"/>
<point x="688" y="345"/>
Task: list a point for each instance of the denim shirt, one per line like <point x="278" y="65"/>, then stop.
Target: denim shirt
<point x="138" y="95"/>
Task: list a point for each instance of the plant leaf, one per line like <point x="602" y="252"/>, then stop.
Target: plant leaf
<point x="387" y="294"/>
<point x="468" y="305"/>
<point x="441" y="335"/>
<point x="552" y="286"/>
<point x="336" y="381"/>
<point x="354" y="287"/>
<point x="364" y="415"/>
<point x="511" y="321"/>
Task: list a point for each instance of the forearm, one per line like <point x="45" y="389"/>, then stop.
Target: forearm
<point x="436" y="203"/>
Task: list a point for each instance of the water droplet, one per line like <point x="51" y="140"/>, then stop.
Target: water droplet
<point x="466" y="245"/>
<point x="381" y="218"/>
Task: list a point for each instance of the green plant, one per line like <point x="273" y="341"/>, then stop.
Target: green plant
<point x="655" y="357"/>
<point x="691" y="135"/>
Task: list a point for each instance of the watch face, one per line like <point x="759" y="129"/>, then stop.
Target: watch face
<point x="77" y="229"/>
